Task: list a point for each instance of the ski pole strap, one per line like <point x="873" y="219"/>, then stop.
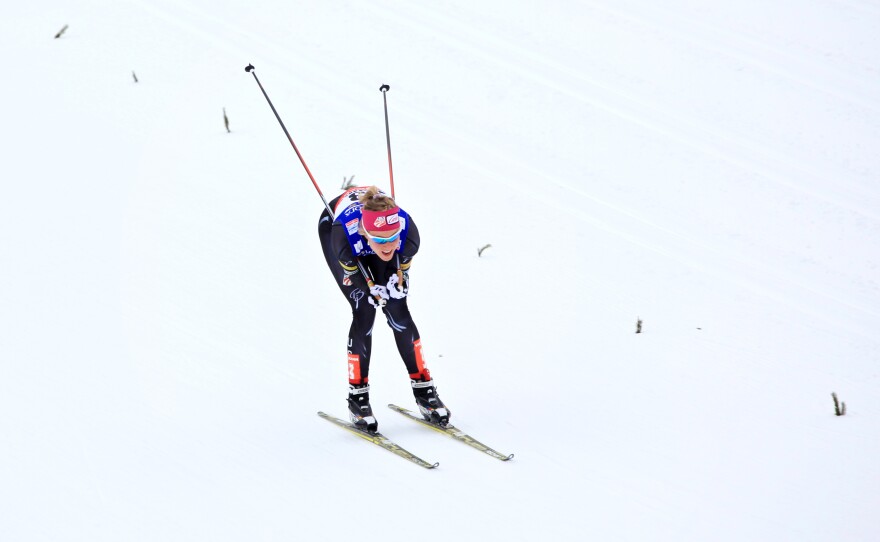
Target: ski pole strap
<point x="400" y="272"/>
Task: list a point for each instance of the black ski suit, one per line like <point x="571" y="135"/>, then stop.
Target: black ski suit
<point x="338" y="254"/>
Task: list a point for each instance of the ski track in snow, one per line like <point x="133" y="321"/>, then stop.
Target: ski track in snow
<point x="770" y="164"/>
<point x="736" y="149"/>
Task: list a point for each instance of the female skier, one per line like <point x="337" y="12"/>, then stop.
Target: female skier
<point x="369" y="226"/>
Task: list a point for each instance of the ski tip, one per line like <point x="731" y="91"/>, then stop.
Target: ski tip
<point x="508" y="458"/>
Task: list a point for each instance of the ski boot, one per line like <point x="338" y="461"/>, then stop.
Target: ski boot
<point x="429" y="403"/>
<point x="359" y="409"/>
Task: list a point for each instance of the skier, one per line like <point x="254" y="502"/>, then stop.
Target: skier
<point x="370" y="227"/>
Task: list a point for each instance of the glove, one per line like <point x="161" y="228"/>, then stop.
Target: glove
<point x="378" y="296"/>
<point x="394" y="288"/>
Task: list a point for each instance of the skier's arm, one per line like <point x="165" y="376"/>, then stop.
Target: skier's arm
<point x="342" y="250"/>
<point x="411" y="246"/>
<point x="407" y="252"/>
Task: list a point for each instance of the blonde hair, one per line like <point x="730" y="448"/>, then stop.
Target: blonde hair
<point x="372" y="200"/>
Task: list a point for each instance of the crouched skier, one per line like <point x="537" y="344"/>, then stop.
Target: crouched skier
<point x="369" y="226"/>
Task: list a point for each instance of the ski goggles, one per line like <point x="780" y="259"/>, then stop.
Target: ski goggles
<point x="382" y="240"/>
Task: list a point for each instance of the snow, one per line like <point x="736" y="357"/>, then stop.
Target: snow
<point x="169" y="328"/>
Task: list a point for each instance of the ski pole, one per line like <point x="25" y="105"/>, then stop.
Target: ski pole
<point x="251" y="70"/>
<point x="384" y="89"/>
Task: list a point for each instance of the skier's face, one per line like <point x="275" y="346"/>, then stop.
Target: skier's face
<point x="383" y="243"/>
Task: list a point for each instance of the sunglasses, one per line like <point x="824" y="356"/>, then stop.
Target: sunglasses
<point x="382" y="240"/>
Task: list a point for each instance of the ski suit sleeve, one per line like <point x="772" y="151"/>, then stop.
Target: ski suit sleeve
<point x="407" y="252"/>
<point x="411" y="246"/>
<point x="342" y="250"/>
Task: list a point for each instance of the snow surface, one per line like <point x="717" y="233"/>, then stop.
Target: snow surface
<point x="169" y="328"/>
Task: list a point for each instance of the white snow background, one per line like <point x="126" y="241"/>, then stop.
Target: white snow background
<point x="168" y="327"/>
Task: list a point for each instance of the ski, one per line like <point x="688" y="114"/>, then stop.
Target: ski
<point x="379" y="440"/>
<point x="454" y="432"/>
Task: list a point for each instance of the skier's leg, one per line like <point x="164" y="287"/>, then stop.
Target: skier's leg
<point x="406" y="336"/>
<point x="409" y="344"/>
<point x="360" y="334"/>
